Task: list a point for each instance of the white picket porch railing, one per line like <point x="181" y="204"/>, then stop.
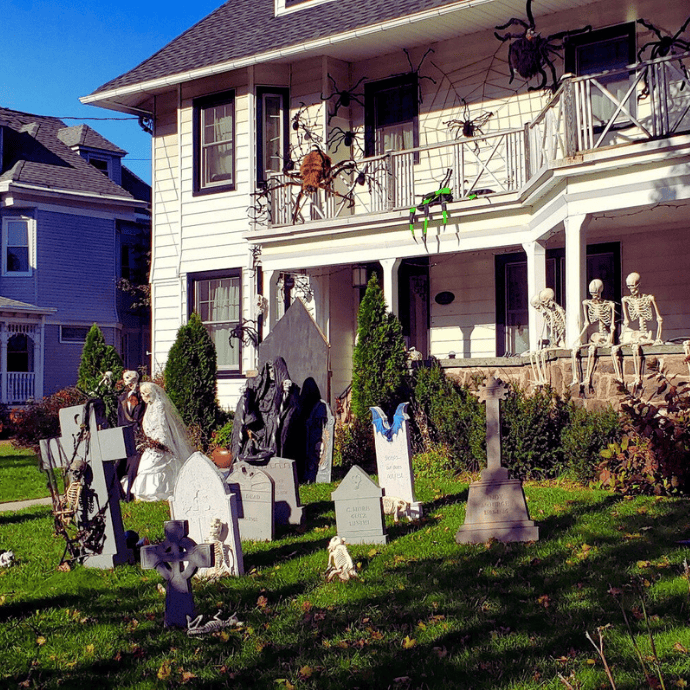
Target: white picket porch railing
<point x="21" y="387"/>
<point x="641" y="102"/>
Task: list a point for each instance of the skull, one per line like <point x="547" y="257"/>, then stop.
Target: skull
<point x="633" y="283"/>
<point x="596" y="287"/>
<point x="547" y="296"/>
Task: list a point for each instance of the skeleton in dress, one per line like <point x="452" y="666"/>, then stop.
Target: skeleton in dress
<point x="224" y="560"/>
<point x="339" y="561"/>
<point x="641" y="308"/>
<point x="554" y="322"/>
<point x="603" y="314"/>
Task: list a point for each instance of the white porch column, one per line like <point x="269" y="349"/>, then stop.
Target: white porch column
<point x="38" y="361"/>
<point x="575" y="272"/>
<point x="390" y="283"/>
<point x="536" y="282"/>
<point x="4" y="337"/>
<point x="270" y="293"/>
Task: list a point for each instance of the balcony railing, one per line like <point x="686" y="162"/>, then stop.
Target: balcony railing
<point x="637" y="103"/>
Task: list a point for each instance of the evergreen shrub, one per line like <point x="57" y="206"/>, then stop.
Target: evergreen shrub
<point x="96" y="358"/>
<point x="543" y="435"/>
<point x="190" y="379"/>
<point x="379" y="360"/>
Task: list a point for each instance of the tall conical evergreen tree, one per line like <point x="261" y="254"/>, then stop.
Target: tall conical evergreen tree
<point x="96" y="358"/>
<point x="190" y="377"/>
<point x="379" y="358"/>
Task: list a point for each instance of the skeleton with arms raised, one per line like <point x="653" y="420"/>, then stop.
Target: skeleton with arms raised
<point x="602" y="313"/>
<point x="641" y="308"/>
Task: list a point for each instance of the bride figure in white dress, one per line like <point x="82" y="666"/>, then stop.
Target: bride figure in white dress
<point x="166" y="446"/>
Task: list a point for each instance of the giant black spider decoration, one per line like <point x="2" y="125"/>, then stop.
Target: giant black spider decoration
<point x="340" y="136"/>
<point x="415" y="71"/>
<point x="343" y="97"/>
<point x="468" y="127"/>
<point x="529" y="53"/>
<point x="665" y="45"/>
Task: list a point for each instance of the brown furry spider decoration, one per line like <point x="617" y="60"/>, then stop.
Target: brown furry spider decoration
<point x="316" y="171"/>
<point x="529" y="53"/>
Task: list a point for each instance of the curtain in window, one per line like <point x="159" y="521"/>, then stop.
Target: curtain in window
<point x="218" y="124"/>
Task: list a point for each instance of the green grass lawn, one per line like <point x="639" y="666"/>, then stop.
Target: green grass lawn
<point x="19" y="474"/>
<point x="424" y="613"/>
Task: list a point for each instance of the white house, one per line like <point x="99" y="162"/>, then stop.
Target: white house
<point x="549" y="181"/>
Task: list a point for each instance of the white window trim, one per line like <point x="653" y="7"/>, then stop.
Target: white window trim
<point x="73" y="342"/>
<point x="31" y="237"/>
<point x="280" y="8"/>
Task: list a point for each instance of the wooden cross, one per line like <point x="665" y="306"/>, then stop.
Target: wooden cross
<point x="100" y="449"/>
<point x="169" y="559"/>
<point x="492" y="392"/>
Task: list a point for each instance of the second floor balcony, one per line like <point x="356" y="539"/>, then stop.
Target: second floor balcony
<point x="643" y="102"/>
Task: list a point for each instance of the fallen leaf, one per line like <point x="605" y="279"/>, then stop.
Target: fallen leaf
<point x="679" y="648"/>
<point x="187" y="676"/>
<point x="409" y="642"/>
<point x="643" y="564"/>
<point x="164" y="671"/>
<point x="305" y="672"/>
<point x="89" y="649"/>
<point x="40" y="640"/>
<point x="262" y="602"/>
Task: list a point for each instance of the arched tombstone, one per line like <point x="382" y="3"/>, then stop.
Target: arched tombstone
<point x="201" y="497"/>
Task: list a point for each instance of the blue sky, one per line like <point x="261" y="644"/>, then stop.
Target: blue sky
<point x="54" y="51"/>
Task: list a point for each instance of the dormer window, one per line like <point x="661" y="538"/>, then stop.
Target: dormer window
<point x="102" y="164"/>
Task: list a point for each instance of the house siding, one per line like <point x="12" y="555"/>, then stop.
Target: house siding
<point x="76" y="260"/>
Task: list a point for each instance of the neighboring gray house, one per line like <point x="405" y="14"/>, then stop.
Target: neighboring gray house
<point x="74" y="221"/>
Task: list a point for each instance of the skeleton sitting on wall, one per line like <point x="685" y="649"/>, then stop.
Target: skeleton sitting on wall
<point x="554" y="324"/>
<point x="643" y="309"/>
<point x="602" y="313"/>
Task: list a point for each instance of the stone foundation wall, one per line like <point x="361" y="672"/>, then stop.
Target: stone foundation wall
<point x="559" y="372"/>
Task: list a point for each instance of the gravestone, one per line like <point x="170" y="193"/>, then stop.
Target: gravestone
<point x="200" y="497"/>
<point x="394" y="456"/>
<point x="255" y="492"/>
<point x="176" y="559"/>
<point x="359" y="510"/>
<point x="496" y="506"/>
<point x="99" y="512"/>
<point x="288" y="509"/>
<point x="320" y="427"/>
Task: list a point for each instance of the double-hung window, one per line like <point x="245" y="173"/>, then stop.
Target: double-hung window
<point x="391" y="115"/>
<point x="272" y="131"/>
<point x="216" y="297"/>
<point x="214" y="142"/>
<point x="16" y="246"/>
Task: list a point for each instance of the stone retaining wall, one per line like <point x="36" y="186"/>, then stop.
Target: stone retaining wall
<point x="559" y="372"/>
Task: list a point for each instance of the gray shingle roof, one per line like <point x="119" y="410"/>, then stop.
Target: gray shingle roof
<point x="83" y="135"/>
<point x="7" y="304"/>
<point x="34" y="153"/>
<point x="242" y="28"/>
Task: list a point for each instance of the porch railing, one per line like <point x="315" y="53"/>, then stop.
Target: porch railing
<point x="486" y="164"/>
<point x="21" y="386"/>
<point x="637" y="103"/>
<point x="640" y="102"/>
